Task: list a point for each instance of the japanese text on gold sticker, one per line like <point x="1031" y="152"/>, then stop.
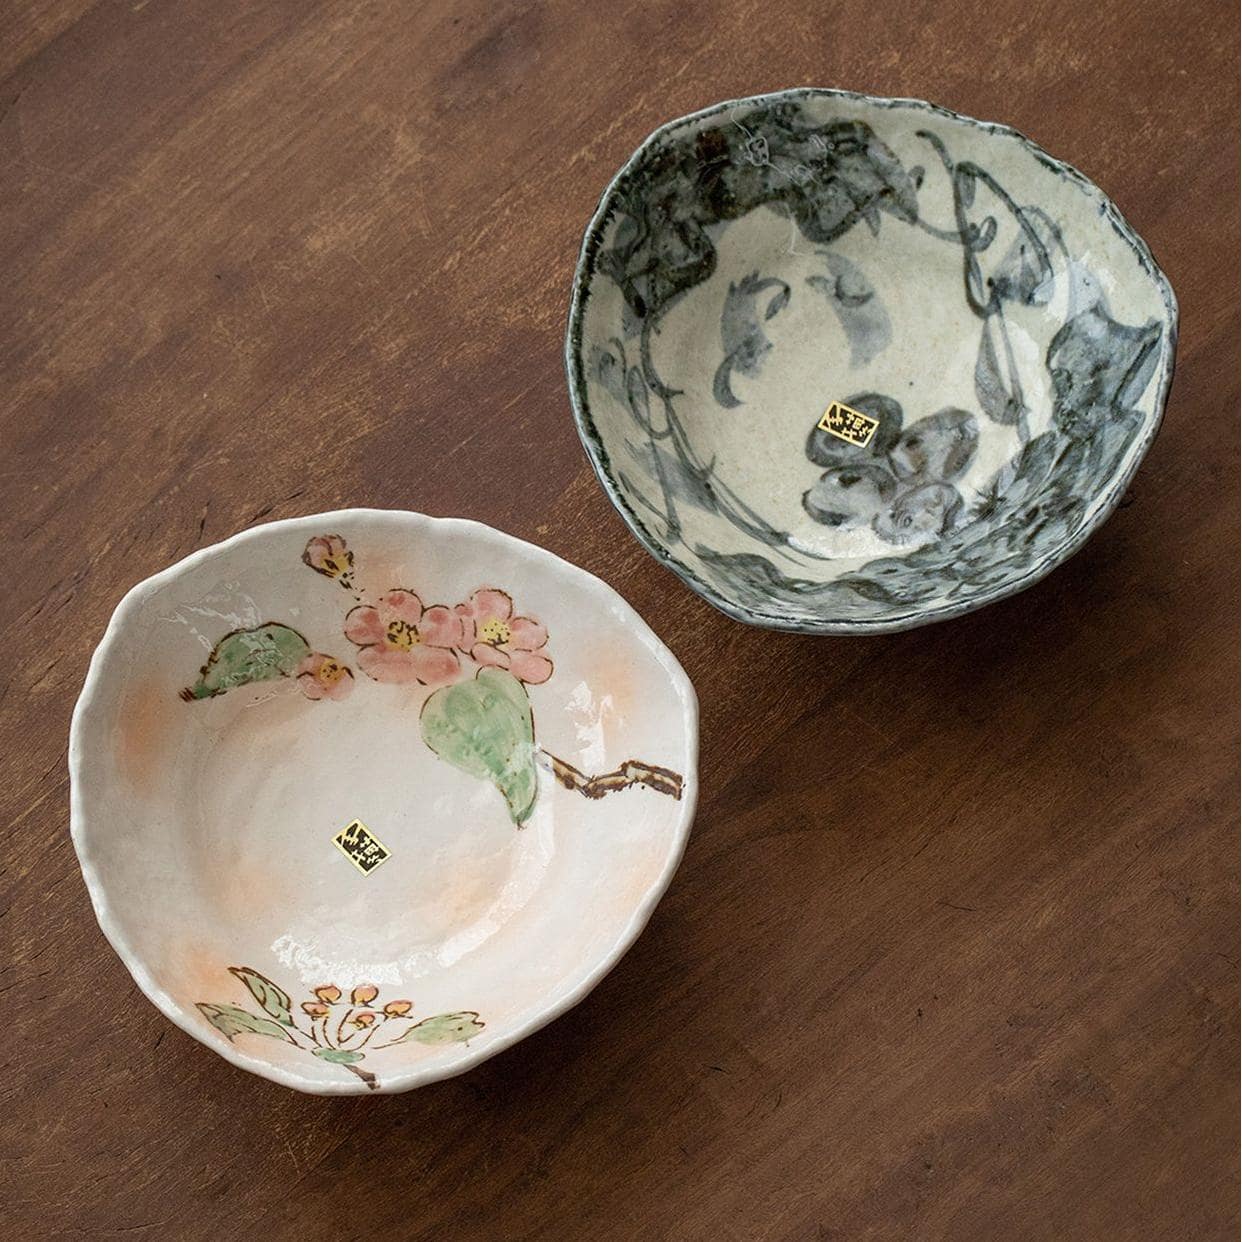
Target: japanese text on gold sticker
<point x="852" y="426"/>
<point x="365" y="850"/>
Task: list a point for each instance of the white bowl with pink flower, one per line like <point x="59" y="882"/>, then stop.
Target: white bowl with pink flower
<point x="363" y="798"/>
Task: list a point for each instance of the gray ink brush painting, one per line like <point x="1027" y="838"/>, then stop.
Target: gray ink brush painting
<point x="985" y="305"/>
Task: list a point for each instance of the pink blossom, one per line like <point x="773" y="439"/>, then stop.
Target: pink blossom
<point x="319" y="676"/>
<point x="495" y="637"/>
<point x="403" y="642"/>
<point x="328" y="555"/>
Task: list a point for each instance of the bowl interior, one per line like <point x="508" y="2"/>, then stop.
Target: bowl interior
<point x="450" y="689"/>
<point x="1004" y="337"/>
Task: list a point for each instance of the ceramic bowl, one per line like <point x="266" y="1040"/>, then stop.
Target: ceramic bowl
<point x="363" y="798"/>
<point x="850" y="364"/>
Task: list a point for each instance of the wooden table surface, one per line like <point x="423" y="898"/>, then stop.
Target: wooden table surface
<point x="264" y="259"/>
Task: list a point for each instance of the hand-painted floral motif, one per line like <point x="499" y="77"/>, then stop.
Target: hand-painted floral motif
<point x="402" y="641"/>
<point x="321" y="677"/>
<point x="495" y="638"/>
<point x="328" y="555"/>
<point x="477" y="659"/>
<point x="265" y="653"/>
<point x="333" y="1029"/>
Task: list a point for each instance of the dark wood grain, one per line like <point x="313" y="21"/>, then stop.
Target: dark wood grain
<point x="263" y="259"/>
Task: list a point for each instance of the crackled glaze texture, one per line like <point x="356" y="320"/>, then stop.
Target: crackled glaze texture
<point x="363" y="798"/>
<point x="983" y="302"/>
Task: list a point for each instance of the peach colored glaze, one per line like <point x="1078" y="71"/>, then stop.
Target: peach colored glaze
<point x="506" y="727"/>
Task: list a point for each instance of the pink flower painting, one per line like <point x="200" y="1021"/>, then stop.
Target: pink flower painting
<point x="319" y="676"/>
<point x="403" y="642"/>
<point x="495" y="638"/>
<point x="328" y="555"/>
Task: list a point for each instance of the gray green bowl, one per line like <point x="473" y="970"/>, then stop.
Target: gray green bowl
<point x="1004" y="334"/>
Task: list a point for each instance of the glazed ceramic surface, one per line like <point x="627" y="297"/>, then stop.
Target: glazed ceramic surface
<point x="1005" y="335"/>
<point x="363" y="798"/>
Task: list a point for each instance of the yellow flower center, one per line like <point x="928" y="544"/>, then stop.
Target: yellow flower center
<point x="494" y="632"/>
<point x="330" y="672"/>
<point x="335" y="566"/>
<point x="402" y="635"/>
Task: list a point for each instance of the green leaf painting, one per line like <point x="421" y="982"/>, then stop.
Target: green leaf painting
<point x="245" y="656"/>
<point x="231" y="1021"/>
<point x="274" y="1000"/>
<point x="444" y="1028"/>
<point x="338" y="1056"/>
<point x="485" y="728"/>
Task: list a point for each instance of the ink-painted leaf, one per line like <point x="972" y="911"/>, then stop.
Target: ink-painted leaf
<point x="485" y="728"/>
<point x="636" y="397"/>
<point x="338" y="1056"/>
<point x="858" y="309"/>
<point x="1024" y="273"/>
<point x="1099" y="368"/>
<point x="743" y="341"/>
<point x="779" y="300"/>
<point x="850" y="497"/>
<point x="937" y="448"/>
<point x="231" y="1021"/>
<point x="996" y="379"/>
<point x="245" y="656"/>
<point x="678" y="478"/>
<point x="444" y="1028"/>
<point x="274" y="1000"/>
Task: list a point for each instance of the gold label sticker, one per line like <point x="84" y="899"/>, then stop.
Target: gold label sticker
<point x="852" y="426"/>
<point x="365" y="850"/>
